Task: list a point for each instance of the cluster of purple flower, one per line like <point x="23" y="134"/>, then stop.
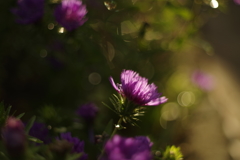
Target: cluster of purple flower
<point x="78" y="145"/>
<point x="133" y="87"/>
<point x="29" y="11"/>
<point x="121" y="148"/>
<point x="15" y="138"/>
<point x="69" y="13"/>
<point x="116" y="148"/>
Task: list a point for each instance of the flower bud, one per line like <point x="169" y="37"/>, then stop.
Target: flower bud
<point x="88" y="112"/>
<point x="77" y="144"/>
<point x="14" y="137"/>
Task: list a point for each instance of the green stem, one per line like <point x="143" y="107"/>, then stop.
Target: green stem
<point x="116" y="128"/>
<point x="113" y="133"/>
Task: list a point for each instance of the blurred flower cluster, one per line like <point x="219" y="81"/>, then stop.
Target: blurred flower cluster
<point x="203" y="80"/>
<point x="135" y="148"/>
<point x="19" y="139"/>
<point x="69" y="13"/>
<point x="29" y="11"/>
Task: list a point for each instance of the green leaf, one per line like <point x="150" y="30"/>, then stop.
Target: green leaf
<point x="39" y="157"/>
<point x="184" y="13"/>
<point x="20" y="115"/>
<point x="109" y="107"/>
<point x="3" y="156"/>
<point x="8" y="110"/>
<point x="3" y="114"/>
<point x="74" y="156"/>
<point x="34" y="139"/>
<point x="114" y="104"/>
<point x="109" y="128"/>
<point x="172" y="153"/>
<point x="30" y="124"/>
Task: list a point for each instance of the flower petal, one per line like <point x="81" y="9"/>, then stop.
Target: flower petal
<point x="113" y="84"/>
<point x="157" y="101"/>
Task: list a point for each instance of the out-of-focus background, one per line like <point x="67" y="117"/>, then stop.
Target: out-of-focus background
<point x="189" y="48"/>
<point x="213" y="129"/>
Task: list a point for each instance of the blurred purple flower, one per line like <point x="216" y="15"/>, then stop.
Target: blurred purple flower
<point x="133" y="148"/>
<point x="71" y="14"/>
<point x="78" y="146"/>
<point x="29" y="11"/>
<point x="13" y="136"/>
<point x="202" y="80"/>
<point x="237" y="1"/>
<point x="40" y="131"/>
<point x="137" y="89"/>
<point x="88" y="111"/>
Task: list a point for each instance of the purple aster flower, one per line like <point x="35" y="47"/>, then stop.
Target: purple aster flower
<point x="237" y="1"/>
<point x="137" y="89"/>
<point x="14" y="137"/>
<point x="203" y="80"/>
<point x="78" y="146"/>
<point x="88" y="111"/>
<point x="29" y="11"/>
<point x="133" y="148"/>
<point x="40" y="131"/>
<point x="71" y="14"/>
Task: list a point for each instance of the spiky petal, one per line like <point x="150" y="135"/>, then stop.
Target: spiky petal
<point x="137" y="89"/>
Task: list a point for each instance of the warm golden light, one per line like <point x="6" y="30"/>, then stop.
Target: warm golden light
<point x="214" y="4"/>
<point x="186" y="98"/>
<point x="61" y="30"/>
<point x="170" y="111"/>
